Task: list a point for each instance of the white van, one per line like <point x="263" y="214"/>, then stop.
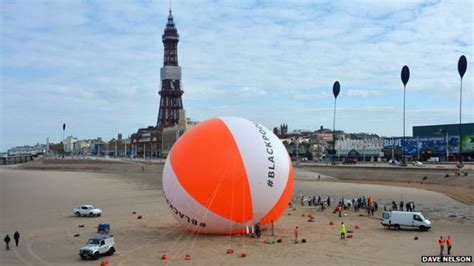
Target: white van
<point x="405" y="220"/>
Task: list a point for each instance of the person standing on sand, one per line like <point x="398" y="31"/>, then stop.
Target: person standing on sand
<point x="401" y="205"/>
<point x="441" y="242"/>
<point x="7" y="241"/>
<point x="329" y="201"/>
<point x="449" y="242"/>
<point x="296" y="235"/>
<point x="272" y="227"/>
<point x="343" y="230"/>
<point x="16" y="236"/>
<point x="258" y="230"/>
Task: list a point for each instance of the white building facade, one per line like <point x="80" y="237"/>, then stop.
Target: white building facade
<point x="367" y="148"/>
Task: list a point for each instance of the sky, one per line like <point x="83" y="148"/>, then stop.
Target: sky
<point x="95" y="65"/>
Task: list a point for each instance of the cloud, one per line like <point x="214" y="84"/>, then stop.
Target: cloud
<point x="362" y="93"/>
<point x="96" y="64"/>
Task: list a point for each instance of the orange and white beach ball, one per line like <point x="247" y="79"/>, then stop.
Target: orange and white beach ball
<point x="225" y="174"/>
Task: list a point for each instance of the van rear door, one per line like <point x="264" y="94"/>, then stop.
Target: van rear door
<point x="386" y="218"/>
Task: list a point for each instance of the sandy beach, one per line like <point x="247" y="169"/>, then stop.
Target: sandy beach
<point x="37" y="199"/>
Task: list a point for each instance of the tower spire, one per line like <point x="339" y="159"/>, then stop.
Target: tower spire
<point x="170" y="102"/>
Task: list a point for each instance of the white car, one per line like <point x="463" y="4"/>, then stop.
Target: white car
<point x="86" y="210"/>
<point x="417" y="163"/>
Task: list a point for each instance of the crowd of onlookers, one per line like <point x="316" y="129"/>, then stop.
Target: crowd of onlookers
<point x="409" y="206"/>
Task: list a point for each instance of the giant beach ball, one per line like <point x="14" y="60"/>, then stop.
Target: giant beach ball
<point x="226" y="174"/>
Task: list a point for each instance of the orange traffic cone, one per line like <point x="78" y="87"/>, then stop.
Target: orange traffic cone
<point x="164" y="257"/>
<point x="331" y="223"/>
<point x="229" y="251"/>
<point x="187" y="257"/>
<point x="243" y="255"/>
<point x="356" y="227"/>
<point x="104" y="263"/>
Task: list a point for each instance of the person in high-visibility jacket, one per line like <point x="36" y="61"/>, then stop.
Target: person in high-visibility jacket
<point x="449" y="242"/>
<point x="272" y="227"/>
<point x="343" y="230"/>
<point x="441" y="242"/>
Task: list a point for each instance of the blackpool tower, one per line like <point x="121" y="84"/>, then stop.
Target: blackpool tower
<point x="171" y="92"/>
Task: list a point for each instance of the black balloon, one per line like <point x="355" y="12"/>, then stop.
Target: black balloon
<point x="405" y="75"/>
<point x="336" y="88"/>
<point x="462" y="65"/>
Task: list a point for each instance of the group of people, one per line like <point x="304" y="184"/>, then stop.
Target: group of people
<point x="358" y="203"/>
<point x="365" y="203"/>
<point x="409" y="206"/>
<point x="7" y="240"/>
<point x="442" y="242"/>
<point x="316" y="201"/>
<point x="256" y="230"/>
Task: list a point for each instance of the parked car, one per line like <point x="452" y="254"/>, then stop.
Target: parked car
<point x="405" y="220"/>
<point x="349" y="160"/>
<point x="417" y="163"/>
<point x="87" y="210"/>
<point x="97" y="246"/>
<point x="393" y="162"/>
<point x="433" y="159"/>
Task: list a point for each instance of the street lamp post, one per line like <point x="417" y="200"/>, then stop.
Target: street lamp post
<point x="297" y="145"/>
<point x="336" y="88"/>
<point x="418" y="146"/>
<point x="447" y="146"/>
<point x="462" y="66"/>
<point x="393" y="149"/>
<point x="64" y="143"/>
<point x="405" y="75"/>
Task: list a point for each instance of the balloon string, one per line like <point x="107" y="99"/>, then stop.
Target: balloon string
<point x="203" y="217"/>
<point x="208" y="203"/>
<point x="232" y="203"/>
<point x="245" y="218"/>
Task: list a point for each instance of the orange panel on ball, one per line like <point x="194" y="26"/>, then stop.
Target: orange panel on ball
<point x="208" y="164"/>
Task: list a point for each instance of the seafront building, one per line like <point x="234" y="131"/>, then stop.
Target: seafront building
<point x="171" y="134"/>
<point x="28" y="150"/>
<point x="69" y="144"/>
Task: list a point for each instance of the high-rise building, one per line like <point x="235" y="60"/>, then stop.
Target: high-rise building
<point x="170" y="102"/>
<point x="146" y="142"/>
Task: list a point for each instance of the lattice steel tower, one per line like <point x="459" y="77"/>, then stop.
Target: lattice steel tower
<point x="170" y="102"/>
